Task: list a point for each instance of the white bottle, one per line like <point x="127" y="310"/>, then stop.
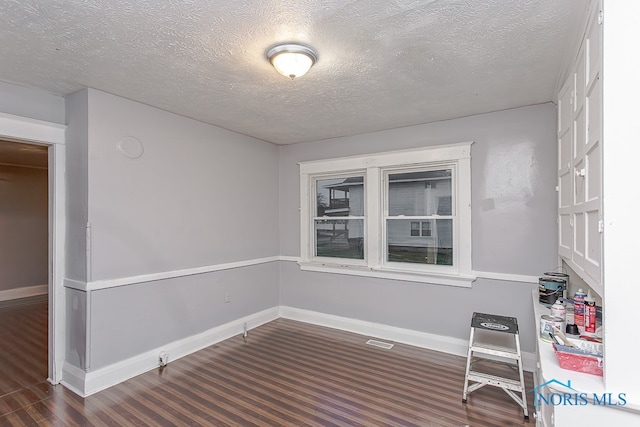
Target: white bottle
<point x="558" y="310"/>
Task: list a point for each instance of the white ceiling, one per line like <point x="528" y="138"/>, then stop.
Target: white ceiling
<point x="382" y="63"/>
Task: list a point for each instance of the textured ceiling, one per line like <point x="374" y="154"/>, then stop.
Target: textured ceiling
<point x="382" y="64"/>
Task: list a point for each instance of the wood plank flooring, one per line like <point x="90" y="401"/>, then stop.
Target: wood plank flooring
<point x="285" y="373"/>
<point x="23" y="344"/>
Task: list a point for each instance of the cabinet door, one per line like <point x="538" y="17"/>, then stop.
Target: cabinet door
<point x="565" y="179"/>
<point x="544" y="413"/>
<point x="580" y="160"/>
<point x="593" y="152"/>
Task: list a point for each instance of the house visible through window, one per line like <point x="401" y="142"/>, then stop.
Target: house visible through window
<point x="401" y="214"/>
<point x="339" y="223"/>
<point x="415" y="199"/>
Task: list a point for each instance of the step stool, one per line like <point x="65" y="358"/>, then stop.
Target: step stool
<point x="494" y="323"/>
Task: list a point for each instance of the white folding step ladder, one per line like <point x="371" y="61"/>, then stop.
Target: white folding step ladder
<point x="495" y="323"/>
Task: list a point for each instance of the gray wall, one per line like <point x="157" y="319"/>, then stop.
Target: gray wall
<point x="198" y="196"/>
<point x="22" y="265"/>
<point x="77" y="199"/>
<point x="76" y="335"/>
<point x="513" y="225"/>
<point x="130" y="320"/>
<point x="23" y="227"/>
<point x="31" y="103"/>
<point x="77" y="159"/>
<point x="201" y="195"/>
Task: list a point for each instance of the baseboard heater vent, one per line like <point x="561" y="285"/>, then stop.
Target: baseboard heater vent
<point x="380" y="344"/>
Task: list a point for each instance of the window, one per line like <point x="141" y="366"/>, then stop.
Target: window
<point x="421" y="228"/>
<point x="426" y="229"/>
<point x="402" y="214"/>
<point x="418" y="196"/>
<point x="339" y="220"/>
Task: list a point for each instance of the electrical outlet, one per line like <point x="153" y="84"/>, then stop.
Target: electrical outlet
<point x="163" y="358"/>
<point x="227" y="297"/>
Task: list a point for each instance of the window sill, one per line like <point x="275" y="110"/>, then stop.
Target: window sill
<point x="463" y="281"/>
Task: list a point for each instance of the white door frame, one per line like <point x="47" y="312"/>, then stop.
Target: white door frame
<point x="22" y="129"/>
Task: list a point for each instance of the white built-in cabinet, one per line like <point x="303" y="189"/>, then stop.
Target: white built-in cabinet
<point x="580" y="223"/>
<point x="594" y="185"/>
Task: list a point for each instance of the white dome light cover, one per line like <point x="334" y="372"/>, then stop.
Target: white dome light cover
<point x="292" y="60"/>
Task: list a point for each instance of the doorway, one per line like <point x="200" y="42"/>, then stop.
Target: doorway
<point x="16" y="129"/>
<point x="23" y="220"/>
<point x="24" y="281"/>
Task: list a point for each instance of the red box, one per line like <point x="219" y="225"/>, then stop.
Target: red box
<point x="578" y="360"/>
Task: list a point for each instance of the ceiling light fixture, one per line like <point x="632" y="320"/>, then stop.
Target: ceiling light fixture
<point x="292" y="60"/>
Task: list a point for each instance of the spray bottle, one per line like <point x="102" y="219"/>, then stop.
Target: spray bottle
<point x="558" y="310"/>
<point x="578" y="308"/>
<point x="589" y="314"/>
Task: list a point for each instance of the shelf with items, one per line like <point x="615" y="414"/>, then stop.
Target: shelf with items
<point x="550" y="369"/>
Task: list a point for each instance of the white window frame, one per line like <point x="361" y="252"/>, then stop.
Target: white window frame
<point x="375" y="167"/>
<point x="313" y="213"/>
<point x="425" y="268"/>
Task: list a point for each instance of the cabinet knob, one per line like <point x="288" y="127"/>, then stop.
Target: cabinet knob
<point x="580" y="172"/>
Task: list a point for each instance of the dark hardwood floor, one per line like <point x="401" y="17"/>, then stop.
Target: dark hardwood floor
<point x="23" y="347"/>
<point x="285" y="373"/>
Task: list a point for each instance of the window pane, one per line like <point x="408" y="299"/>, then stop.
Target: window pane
<point x="444" y="205"/>
<point x="437" y="248"/>
<point x="340" y="238"/>
<point x="415" y="228"/>
<point x="426" y="228"/>
<point x="340" y="196"/>
<point x="422" y="193"/>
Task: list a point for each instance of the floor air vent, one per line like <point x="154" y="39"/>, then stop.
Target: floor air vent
<point x="380" y="344"/>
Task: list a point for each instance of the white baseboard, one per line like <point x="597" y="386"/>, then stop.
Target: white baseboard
<point x="441" y="343"/>
<point x="28" y="291"/>
<point x="88" y="383"/>
<point x="73" y="378"/>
